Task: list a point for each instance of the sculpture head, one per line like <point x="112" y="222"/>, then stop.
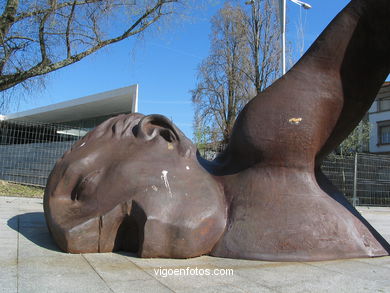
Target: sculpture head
<point x="134" y="183"/>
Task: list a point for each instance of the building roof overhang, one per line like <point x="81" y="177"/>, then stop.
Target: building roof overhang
<point x="122" y="100"/>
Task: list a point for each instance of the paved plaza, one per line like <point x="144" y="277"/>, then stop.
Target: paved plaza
<point x="31" y="262"/>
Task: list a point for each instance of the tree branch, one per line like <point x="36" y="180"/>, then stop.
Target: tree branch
<point x="7" y="19"/>
<point x="45" y="66"/>
<point x="68" y="26"/>
<point x="48" y="10"/>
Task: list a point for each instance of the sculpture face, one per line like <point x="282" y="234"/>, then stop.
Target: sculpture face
<point x="129" y="185"/>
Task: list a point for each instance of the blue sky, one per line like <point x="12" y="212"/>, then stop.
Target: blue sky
<point x="164" y="64"/>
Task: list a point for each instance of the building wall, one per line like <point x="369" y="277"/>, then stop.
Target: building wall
<point x="377" y="115"/>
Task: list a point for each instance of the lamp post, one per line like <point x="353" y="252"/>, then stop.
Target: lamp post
<point x="282" y="9"/>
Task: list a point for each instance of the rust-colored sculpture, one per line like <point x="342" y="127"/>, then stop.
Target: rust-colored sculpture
<point x="136" y="182"/>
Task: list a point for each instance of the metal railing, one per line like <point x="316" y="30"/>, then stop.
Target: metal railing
<point x="29" y="150"/>
<point x="363" y="178"/>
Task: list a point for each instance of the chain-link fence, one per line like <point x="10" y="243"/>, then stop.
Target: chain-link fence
<point x="363" y="178"/>
<point x="373" y="180"/>
<point x="28" y="151"/>
<point x="341" y="172"/>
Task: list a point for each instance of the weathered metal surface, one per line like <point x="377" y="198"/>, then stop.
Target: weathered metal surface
<point x="136" y="183"/>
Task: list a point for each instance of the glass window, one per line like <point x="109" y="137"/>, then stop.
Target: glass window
<point x="384" y="134"/>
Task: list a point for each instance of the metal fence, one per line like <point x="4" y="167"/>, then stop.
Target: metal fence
<point x="363" y="178"/>
<point x="29" y="150"/>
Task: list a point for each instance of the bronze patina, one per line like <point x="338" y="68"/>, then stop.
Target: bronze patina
<point x="137" y="183"/>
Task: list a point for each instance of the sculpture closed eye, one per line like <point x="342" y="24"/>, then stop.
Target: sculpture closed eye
<point x="136" y="183"/>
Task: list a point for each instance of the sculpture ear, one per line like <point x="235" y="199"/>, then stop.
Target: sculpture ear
<point x="157" y="125"/>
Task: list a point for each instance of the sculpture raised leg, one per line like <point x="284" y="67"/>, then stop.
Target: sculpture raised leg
<point x="279" y="209"/>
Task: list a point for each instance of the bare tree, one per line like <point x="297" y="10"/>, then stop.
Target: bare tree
<point x="223" y="82"/>
<point x="263" y="37"/>
<point x="357" y="141"/>
<point x="244" y="59"/>
<point x="41" y="36"/>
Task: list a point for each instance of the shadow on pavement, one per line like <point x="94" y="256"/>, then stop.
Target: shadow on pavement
<point x="33" y="227"/>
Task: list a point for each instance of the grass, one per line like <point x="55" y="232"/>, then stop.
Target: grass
<point x="20" y="190"/>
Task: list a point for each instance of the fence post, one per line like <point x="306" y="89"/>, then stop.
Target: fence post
<point x="355" y="173"/>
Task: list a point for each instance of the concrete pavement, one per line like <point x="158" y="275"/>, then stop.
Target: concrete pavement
<point x="30" y="262"/>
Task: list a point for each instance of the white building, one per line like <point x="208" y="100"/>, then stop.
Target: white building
<point x="32" y="141"/>
<point x="85" y="112"/>
<point x="379" y="117"/>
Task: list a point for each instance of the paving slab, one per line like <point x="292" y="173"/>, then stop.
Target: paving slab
<point x="31" y="262"/>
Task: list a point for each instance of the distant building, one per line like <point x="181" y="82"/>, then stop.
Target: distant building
<point x="86" y="112"/>
<point x="379" y="117"/>
<point x="31" y="141"/>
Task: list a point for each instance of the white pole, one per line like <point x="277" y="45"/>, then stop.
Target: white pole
<point x="355" y="173"/>
<point x="282" y="9"/>
<point x="283" y="33"/>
